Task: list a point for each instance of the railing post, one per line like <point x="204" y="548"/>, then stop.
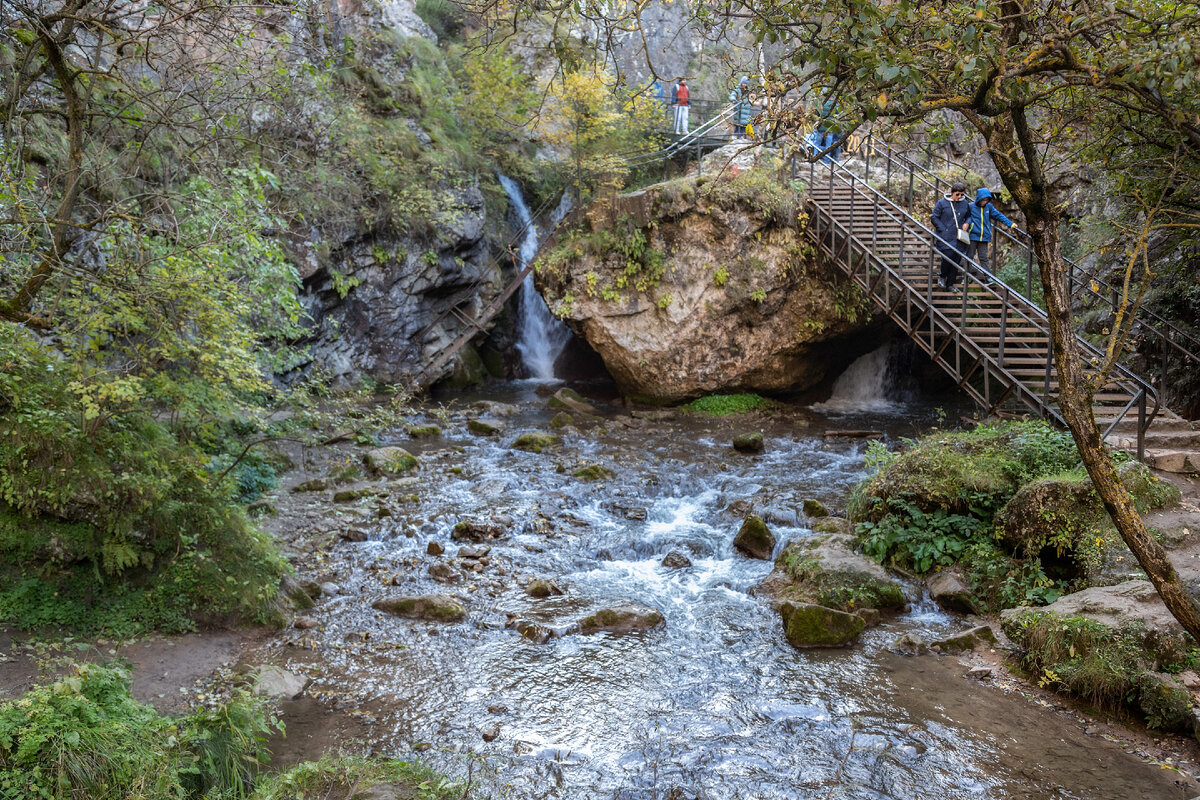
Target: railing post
<point x="867" y="157"/>
<point x="888" y="181"/>
<point x="1029" y="275"/>
<point x="1141" y="432"/>
<point x="1162" y="384"/>
<point x="1003" y="325"/>
<point x="1049" y="366"/>
<point x="910" y="188"/>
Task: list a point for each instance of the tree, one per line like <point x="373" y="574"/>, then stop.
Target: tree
<point x="1038" y="82"/>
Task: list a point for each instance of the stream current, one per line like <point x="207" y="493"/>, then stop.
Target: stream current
<point x="716" y="704"/>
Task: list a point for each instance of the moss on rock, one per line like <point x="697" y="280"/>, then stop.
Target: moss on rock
<point x="535" y="442"/>
<point x="808" y="625"/>
<point x="754" y="539"/>
<point x="429" y="607"/>
<point x="593" y="472"/>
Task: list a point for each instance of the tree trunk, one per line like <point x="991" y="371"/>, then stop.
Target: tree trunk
<point x="1075" y="404"/>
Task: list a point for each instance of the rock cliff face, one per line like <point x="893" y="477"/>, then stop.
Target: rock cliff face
<point x="693" y="287"/>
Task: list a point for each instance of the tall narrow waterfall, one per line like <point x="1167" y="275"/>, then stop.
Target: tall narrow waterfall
<point x="864" y="386"/>
<point x="540" y="336"/>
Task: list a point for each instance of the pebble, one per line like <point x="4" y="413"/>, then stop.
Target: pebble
<point x="330" y="588"/>
<point x="491" y="734"/>
<point x="497" y="709"/>
<point x="435" y="548"/>
<point x="304" y="623"/>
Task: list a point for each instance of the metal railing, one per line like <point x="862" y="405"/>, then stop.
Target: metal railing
<point x="928" y="323"/>
<point x="1169" y="345"/>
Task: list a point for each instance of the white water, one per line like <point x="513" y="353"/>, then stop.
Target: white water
<point x="863" y="386"/>
<point x="541" y="337"/>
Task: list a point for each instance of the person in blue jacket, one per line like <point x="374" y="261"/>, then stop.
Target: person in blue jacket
<point x="740" y="98"/>
<point x="951" y="214"/>
<point x="983" y="211"/>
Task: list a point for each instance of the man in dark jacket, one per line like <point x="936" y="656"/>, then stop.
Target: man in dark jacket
<point x="983" y="211"/>
<point x="951" y="214"/>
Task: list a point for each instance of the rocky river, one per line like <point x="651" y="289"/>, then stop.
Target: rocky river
<point x="714" y="703"/>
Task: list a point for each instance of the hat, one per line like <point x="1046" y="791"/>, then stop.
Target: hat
<point x="743" y="80"/>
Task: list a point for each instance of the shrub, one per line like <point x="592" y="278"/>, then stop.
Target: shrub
<point x="84" y="735"/>
<point x="338" y="776"/>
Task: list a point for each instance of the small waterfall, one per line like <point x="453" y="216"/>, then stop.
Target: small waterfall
<point x="864" y="386"/>
<point x="540" y="337"/>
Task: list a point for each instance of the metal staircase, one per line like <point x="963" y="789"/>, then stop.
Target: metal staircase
<point x="993" y="340"/>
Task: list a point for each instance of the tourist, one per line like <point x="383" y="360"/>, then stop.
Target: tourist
<point x="951" y="219"/>
<point x="983" y="211"/>
<point x="681" y="99"/>
<point x="742" y="109"/>
<point x="823" y="136"/>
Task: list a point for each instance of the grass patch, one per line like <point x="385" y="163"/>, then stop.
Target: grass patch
<point x="344" y="776"/>
<point x="725" y="405"/>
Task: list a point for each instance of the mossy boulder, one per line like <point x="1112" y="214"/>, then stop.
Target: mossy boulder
<point x="427" y="607"/>
<point x="622" y="619"/>
<point x="814" y="509"/>
<point x="350" y="495"/>
<point x="561" y="420"/>
<point x="482" y="427"/>
<point x="832" y="525"/>
<point x="423" y="431"/>
<point x="966" y="640"/>
<point x="543" y="587"/>
<point x="754" y="539"/>
<point x="313" y="485"/>
<point x="809" y="625"/>
<point x="1110" y="645"/>
<point x="535" y="441"/>
<point x="951" y="590"/>
<point x="593" y="472"/>
<point x="390" y="460"/>
<point x="748" y="443"/>
<point x="825" y="570"/>
<point x="474" y="530"/>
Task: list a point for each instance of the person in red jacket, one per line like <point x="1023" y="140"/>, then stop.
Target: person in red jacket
<point x="681" y="99"/>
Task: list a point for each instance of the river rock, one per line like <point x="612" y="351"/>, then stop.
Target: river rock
<point x="951" y="590"/>
<point x="966" y="640"/>
<point x="428" y="607"/>
<point x="435" y="548"/>
<point x="474" y="552"/>
<point x="808" y="625"/>
<point x="621" y="619"/>
<point x="570" y="400"/>
<point x="754" y="539"/>
<point x="593" y="472"/>
<point x="277" y="683"/>
<point x="481" y="427"/>
<point x="422" y="431"/>
<point x="827" y="571"/>
<point x="314" y="485"/>
<point x="533" y="631"/>
<point x="494" y="408"/>
<point x="304" y="623"/>
<point x="535" y="442"/>
<point x="542" y="587"/>
<point x="814" y="509"/>
<point x="748" y="442"/>
<point x="330" y="588"/>
<point x="389" y="460"/>
<point x="909" y="644"/>
<point x="561" y="420"/>
<point x="676" y="560"/>
<point x="353" y="535"/>
<point x="737" y="300"/>
<point x="478" y="531"/>
<point x="443" y="573"/>
<point x="832" y="525"/>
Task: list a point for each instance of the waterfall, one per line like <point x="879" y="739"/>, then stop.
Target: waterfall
<point x="864" y="386"/>
<point x="540" y="336"/>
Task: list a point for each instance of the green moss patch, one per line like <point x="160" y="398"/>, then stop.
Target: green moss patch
<point x="725" y="405"/>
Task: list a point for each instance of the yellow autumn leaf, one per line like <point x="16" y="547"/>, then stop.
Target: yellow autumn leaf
<point x="881" y="101"/>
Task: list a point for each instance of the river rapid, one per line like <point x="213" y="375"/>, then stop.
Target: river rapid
<point x="715" y="704"/>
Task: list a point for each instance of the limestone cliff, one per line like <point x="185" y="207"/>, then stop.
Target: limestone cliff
<point x="698" y="286"/>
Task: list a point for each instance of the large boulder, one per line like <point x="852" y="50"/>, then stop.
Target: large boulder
<point x="628" y="618"/>
<point x="951" y="590"/>
<point x="389" y="460"/>
<point x="825" y="570"/>
<point x="427" y="607"/>
<point x="686" y="290"/>
<point x="809" y="625"/>
<point x="754" y="539"/>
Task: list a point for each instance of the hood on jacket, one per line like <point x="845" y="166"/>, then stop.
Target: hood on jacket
<point x="982" y="194"/>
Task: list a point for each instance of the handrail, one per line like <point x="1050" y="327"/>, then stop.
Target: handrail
<point x="682" y="143"/>
<point x="1137" y="388"/>
<point x="1080" y="279"/>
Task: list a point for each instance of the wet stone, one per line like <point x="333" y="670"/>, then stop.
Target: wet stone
<point x="676" y="560"/>
<point x="621" y="619"/>
<point x="468" y="551"/>
<point x="350" y="495"/>
<point x="331" y="589"/>
<point x="814" y="509"/>
<point x="561" y="420"/>
<point x="435" y="548"/>
<point x="491" y="734"/>
<point x="481" y="427"/>
<point x="278" y="683"/>
<point x="533" y="631"/>
<point x="422" y="431"/>
<point x="390" y="460"/>
<point x="951" y="590"/>
<point x="543" y="587"/>
<point x="428" y="607"/>
<point x="497" y="709"/>
<point x="754" y="539"/>
<point x="304" y="623"/>
<point x="478" y="531"/>
<point x="535" y="442"/>
<point x="314" y="485"/>
<point x="443" y="572"/>
<point x="748" y="442"/>
<point x="593" y="472"/>
<point x="967" y="640"/>
<point x="353" y="535"/>
<point x="570" y="400"/>
<point x="808" y="625"/>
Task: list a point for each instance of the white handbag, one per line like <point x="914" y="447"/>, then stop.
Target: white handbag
<point x="962" y="235"/>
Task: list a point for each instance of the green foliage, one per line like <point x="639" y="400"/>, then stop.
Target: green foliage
<point x="444" y="16"/>
<point x="909" y="537"/>
<point x="85" y="736"/>
<point x="725" y="405"/>
<point x="338" y="776"/>
<point x="759" y="190"/>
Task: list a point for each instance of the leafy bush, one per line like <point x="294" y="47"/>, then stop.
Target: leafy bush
<point x="725" y="405"/>
<point x="337" y="776"/>
<point x="84" y="736"/>
<point x="909" y="537"/>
